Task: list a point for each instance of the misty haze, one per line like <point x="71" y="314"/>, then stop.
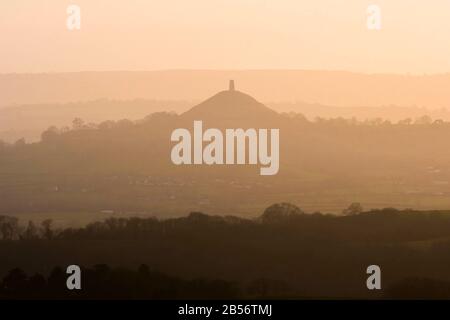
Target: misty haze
<point x="225" y="150"/>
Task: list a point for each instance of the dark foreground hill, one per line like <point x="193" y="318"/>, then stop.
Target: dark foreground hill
<point x="282" y="253"/>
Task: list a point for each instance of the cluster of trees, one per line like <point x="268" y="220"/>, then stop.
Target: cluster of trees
<point x="422" y="120"/>
<point x="10" y="229"/>
<point x="388" y="225"/>
<point x="79" y="124"/>
<point x="281" y="215"/>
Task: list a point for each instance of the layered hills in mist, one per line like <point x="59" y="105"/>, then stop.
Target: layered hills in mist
<point x="125" y="166"/>
<point x="29" y="104"/>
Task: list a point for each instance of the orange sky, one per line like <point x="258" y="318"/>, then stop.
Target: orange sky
<point x="225" y="34"/>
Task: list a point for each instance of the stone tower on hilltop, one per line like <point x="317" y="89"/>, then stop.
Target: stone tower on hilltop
<point x="231" y="86"/>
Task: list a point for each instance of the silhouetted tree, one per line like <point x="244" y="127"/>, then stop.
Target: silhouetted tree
<point x="32" y="231"/>
<point x="9" y="227"/>
<point x="47" y="228"/>
<point x="77" y="124"/>
<point x="353" y="209"/>
<point x="50" y="134"/>
<point x="280" y="212"/>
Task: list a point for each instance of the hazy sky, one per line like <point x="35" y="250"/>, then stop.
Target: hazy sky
<point x="225" y="34"/>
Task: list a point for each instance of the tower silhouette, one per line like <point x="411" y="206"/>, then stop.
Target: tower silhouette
<point x="231" y="86"/>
